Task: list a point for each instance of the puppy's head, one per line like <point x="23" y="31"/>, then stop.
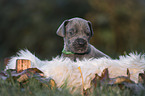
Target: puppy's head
<point x="76" y="33"/>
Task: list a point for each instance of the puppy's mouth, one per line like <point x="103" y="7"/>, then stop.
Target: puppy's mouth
<point x="80" y="45"/>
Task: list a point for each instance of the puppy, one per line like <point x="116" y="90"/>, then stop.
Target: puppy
<point x="76" y="33"/>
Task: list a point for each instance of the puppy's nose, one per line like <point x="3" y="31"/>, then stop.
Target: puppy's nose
<point x="81" y="41"/>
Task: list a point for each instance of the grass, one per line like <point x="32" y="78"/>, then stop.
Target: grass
<point x="31" y="88"/>
<point x="35" y="88"/>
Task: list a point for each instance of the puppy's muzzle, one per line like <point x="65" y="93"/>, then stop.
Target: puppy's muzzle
<point x="80" y="44"/>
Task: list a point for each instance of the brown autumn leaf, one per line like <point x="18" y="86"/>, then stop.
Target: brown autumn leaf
<point x="104" y="78"/>
<point x="141" y="78"/>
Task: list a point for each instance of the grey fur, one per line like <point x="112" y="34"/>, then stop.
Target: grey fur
<point x="77" y="33"/>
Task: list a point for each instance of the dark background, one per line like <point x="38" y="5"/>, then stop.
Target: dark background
<point x="119" y="25"/>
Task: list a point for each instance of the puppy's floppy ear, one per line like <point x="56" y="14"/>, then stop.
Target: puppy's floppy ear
<point x="91" y="29"/>
<point x="61" y="30"/>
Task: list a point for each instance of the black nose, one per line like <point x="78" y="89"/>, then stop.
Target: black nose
<point x="81" y="42"/>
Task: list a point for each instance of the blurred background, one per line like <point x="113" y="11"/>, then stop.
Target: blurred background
<point x="119" y="25"/>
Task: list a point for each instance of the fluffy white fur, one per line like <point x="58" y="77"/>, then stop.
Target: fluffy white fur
<point x="62" y="69"/>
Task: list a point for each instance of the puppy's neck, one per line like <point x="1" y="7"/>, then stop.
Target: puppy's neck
<point x="64" y="51"/>
<point x="67" y="52"/>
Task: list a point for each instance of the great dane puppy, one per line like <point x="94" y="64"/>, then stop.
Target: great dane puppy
<point x="76" y="33"/>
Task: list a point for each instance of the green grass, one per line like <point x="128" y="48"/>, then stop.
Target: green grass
<point x="35" y="88"/>
<point x="31" y="88"/>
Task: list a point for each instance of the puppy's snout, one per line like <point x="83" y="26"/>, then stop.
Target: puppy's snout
<point x="80" y="45"/>
<point x="81" y="42"/>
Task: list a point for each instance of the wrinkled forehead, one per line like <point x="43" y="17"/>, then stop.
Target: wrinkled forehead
<point x="79" y="24"/>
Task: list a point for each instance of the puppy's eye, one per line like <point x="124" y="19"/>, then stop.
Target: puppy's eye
<point x="71" y="32"/>
<point x="87" y="33"/>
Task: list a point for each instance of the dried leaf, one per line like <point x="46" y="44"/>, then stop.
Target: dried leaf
<point x="141" y="78"/>
<point x="128" y="73"/>
<point x="103" y="78"/>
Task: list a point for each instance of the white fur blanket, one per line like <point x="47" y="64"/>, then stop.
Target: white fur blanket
<point x="62" y="69"/>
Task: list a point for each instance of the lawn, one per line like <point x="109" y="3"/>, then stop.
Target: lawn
<point x="34" y="88"/>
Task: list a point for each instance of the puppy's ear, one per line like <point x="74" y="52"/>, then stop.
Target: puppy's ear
<point x="91" y="29"/>
<point x="61" y="30"/>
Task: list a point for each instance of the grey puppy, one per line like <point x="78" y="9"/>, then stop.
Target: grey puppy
<point x="77" y="33"/>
